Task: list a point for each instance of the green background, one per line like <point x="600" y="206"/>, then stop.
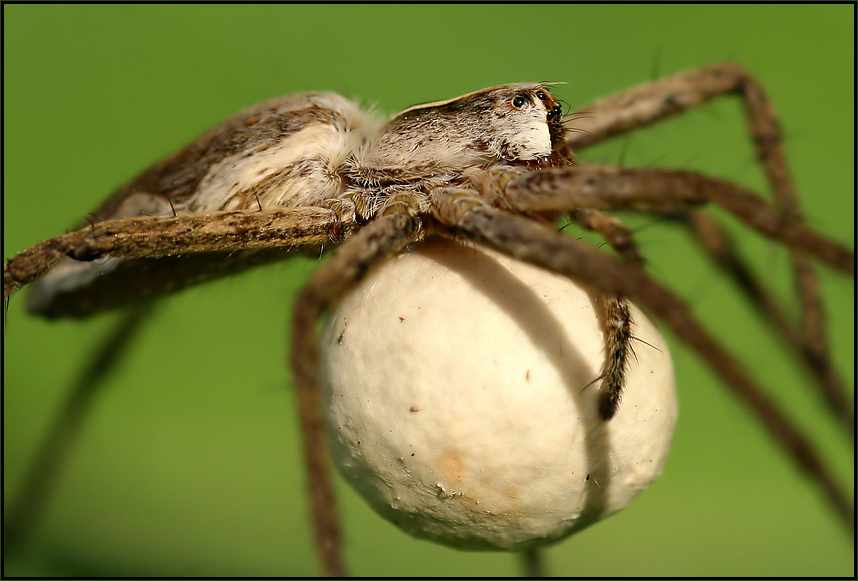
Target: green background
<point x="190" y="464"/>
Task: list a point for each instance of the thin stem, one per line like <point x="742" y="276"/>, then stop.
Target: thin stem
<point x="533" y="563"/>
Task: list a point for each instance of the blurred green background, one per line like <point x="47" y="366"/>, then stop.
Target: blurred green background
<point x="190" y="463"/>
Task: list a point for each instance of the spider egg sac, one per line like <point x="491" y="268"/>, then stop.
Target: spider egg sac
<point x="461" y="402"/>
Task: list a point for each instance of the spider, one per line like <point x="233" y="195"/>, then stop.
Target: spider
<point x="493" y="167"/>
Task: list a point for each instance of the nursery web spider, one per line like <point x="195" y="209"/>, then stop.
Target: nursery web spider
<point x="494" y="167"/>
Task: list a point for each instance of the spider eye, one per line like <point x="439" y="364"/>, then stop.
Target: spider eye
<point x="519" y="101"/>
<point x="541" y="95"/>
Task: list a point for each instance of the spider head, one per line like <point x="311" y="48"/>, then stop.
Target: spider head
<point x="526" y="122"/>
<point x="516" y="124"/>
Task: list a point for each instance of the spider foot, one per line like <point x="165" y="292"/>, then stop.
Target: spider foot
<point x="618" y="347"/>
